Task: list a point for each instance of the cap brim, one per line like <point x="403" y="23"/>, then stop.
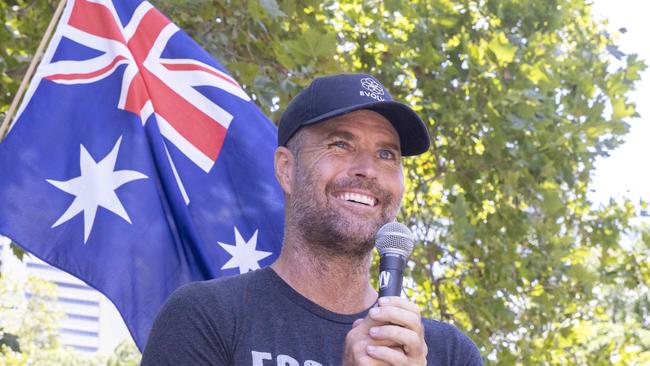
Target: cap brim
<point x="413" y="134"/>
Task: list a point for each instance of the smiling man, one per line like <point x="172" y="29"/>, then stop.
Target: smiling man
<point x="339" y="163"/>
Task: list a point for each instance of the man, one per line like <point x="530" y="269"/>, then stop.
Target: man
<point x="339" y="163"/>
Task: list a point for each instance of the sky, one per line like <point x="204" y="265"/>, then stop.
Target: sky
<point x="626" y="172"/>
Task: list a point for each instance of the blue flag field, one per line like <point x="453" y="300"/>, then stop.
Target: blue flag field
<point x="137" y="163"/>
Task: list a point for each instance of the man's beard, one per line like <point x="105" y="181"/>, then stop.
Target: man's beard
<point x="333" y="232"/>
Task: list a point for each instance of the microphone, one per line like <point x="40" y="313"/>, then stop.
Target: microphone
<point x="394" y="242"/>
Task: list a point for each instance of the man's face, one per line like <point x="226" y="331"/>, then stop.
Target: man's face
<point x="348" y="182"/>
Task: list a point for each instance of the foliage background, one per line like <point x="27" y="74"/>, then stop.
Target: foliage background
<point x="29" y="329"/>
<point x="520" y="97"/>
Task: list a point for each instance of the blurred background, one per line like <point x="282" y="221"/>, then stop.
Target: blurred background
<point x="530" y="210"/>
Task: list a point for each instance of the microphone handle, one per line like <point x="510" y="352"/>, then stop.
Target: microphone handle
<point x="391" y="272"/>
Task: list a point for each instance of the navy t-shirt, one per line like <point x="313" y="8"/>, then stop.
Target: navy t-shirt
<point x="258" y="319"/>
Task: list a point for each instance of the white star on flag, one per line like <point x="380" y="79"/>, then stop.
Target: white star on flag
<point x="243" y="253"/>
<point x="95" y="187"/>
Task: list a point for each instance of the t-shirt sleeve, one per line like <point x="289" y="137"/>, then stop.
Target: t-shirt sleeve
<point x="449" y="346"/>
<point x="186" y="332"/>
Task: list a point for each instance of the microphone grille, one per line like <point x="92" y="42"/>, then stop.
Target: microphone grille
<point x="394" y="238"/>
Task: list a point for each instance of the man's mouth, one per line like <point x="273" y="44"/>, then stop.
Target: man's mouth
<point x="357" y="198"/>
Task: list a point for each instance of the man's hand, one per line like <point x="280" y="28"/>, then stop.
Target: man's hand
<point x="391" y="334"/>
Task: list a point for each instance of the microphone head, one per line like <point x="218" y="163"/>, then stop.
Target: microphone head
<point x="394" y="238"/>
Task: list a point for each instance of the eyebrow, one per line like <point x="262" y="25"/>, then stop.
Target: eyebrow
<point x="342" y="134"/>
<point x="352" y="137"/>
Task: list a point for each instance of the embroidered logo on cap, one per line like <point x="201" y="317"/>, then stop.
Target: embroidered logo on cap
<point x="373" y="90"/>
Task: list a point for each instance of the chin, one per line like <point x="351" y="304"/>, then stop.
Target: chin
<point x="340" y="238"/>
<point x="358" y="231"/>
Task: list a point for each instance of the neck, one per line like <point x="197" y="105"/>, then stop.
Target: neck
<point x="337" y="283"/>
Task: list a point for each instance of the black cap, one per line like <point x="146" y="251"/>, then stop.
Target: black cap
<point x="331" y="96"/>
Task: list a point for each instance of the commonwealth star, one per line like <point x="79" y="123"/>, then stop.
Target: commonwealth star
<point x="244" y="255"/>
<point x="95" y="187"/>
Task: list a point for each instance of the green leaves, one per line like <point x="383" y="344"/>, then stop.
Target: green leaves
<point x="309" y="46"/>
<point x="621" y="109"/>
<point x="272" y="8"/>
<point x="520" y="99"/>
<point x="23" y="25"/>
<point x="30" y="329"/>
<point x="503" y="50"/>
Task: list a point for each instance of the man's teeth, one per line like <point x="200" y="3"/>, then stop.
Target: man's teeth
<point x="359" y="198"/>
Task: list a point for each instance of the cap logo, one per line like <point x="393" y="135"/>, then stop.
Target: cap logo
<point x="373" y="90"/>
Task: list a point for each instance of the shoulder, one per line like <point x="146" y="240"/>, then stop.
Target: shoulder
<point x="219" y="289"/>
<point x="198" y="322"/>
<point x="220" y="296"/>
<point x="449" y="346"/>
<point x="215" y="297"/>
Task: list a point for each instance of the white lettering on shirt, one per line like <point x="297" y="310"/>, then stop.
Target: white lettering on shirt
<point x="259" y="357"/>
<point x="282" y="360"/>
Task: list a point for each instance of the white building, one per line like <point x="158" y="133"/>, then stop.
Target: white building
<point x="91" y="322"/>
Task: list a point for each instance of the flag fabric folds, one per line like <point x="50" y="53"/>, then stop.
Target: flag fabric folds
<point x="137" y="163"/>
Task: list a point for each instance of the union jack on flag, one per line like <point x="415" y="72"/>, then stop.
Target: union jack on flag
<point x="137" y="163"/>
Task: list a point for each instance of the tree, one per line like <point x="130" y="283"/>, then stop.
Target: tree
<point x="28" y="311"/>
<point x="24" y="23"/>
<point x="30" y="316"/>
<point x="125" y="354"/>
<point x="520" y="97"/>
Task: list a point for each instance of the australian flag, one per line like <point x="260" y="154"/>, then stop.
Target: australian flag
<point x="137" y="163"/>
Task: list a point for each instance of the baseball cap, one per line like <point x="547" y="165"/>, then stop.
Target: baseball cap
<point x="331" y="96"/>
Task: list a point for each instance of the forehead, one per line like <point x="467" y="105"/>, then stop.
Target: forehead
<point x="362" y="122"/>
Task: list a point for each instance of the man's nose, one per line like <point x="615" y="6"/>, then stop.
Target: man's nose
<point x="363" y="165"/>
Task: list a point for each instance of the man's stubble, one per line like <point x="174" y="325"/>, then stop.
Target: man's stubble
<point x="332" y="232"/>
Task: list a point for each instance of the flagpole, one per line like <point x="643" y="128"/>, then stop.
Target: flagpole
<point x="30" y="70"/>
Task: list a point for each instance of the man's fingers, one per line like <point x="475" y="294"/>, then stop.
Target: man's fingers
<point x="366" y="323"/>
<point x="398" y="302"/>
<point x="358" y="335"/>
<point x="369" y="361"/>
<point x="398" y="316"/>
<point x="396" y="335"/>
<point x="389" y="355"/>
<point x="391" y="334"/>
<point x="357" y="322"/>
<point x="399" y="335"/>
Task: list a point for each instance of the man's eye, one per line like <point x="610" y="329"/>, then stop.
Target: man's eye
<point x="340" y="144"/>
<point x="386" y="155"/>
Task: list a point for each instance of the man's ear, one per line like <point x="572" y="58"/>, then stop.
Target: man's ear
<point x="284" y="168"/>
